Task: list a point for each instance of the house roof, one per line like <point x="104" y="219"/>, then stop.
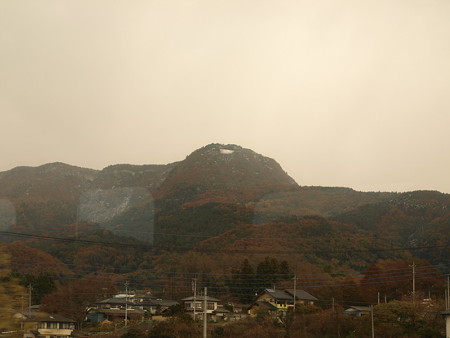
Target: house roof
<point x="300" y="294"/>
<point x="162" y="302"/>
<point x="278" y="294"/>
<point x="114" y="300"/>
<point x="221" y="309"/>
<point x="130" y="312"/>
<point x="202" y="298"/>
<point x="45" y="317"/>
<point x="359" y="308"/>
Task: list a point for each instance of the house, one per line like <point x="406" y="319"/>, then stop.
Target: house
<point x="43" y="325"/>
<point x="115" y="315"/>
<point x="301" y="296"/>
<point x="198" y="304"/>
<point x="220" y="313"/>
<point x="138" y="306"/>
<point x="115" y="302"/>
<point x="259" y="306"/>
<point x="28" y="313"/>
<point x="151" y="304"/>
<point x="239" y="311"/>
<point x="277" y="302"/>
<point x="357" y="311"/>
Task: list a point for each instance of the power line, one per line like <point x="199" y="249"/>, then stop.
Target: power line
<point x="214" y="250"/>
<point x="88" y="268"/>
<point x="256" y="282"/>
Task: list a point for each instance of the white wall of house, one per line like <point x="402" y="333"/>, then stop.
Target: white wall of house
<point x="210" y="306"/>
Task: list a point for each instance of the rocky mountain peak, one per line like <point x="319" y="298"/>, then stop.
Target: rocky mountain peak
<point x="225" y="168"/>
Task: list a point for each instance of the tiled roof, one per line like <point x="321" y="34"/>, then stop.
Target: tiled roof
<point x="278" y="294"/>
<point x="221" y="309"/>
<point x="162" y="302"/>
<point x="300" y="294"/>
<point x="113" y="300"/>
<point x="45" y="317"/>
<point x="130" y="312"/>
<point x="202" y="298"/>
<point x="359" y="308"/>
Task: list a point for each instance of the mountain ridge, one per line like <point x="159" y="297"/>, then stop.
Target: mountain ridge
<point x="216" y="190"/>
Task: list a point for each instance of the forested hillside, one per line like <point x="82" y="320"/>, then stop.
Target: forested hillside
<point x="207" y="214"/>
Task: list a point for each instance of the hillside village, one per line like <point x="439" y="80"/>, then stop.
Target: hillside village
<point x="123" y="314"/>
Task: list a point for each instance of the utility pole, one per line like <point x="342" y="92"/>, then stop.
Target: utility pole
<point x="29" y="296"/>
<point x="195" y="295"/>
<point x="23" y="314"/>
<point x="371" y="319"/>
<point x="446" y="299"/>
<point x="447" y="305"/>
<point x="295" y="292"/>
<point x="205" y="334"/>
<point x="126" y="303"/>
<point x="414" y="282"/>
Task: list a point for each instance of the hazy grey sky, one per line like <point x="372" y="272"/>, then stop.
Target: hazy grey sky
<point x="341" y="93"/>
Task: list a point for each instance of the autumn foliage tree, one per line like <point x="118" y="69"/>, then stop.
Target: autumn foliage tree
<point x="243" y="282"/>
<point x="393" y="279"/>
<point x="71" y="299"/>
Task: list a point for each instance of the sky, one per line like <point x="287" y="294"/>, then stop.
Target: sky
<point x="346" y="93"/>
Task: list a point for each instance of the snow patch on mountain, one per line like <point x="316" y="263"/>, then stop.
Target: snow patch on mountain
<point x="226" y="151"/>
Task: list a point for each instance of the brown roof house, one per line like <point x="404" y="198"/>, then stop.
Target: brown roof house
<point x="44" y="325"/>
<point x="277" y="302"/>
<point x="115" y="309"/>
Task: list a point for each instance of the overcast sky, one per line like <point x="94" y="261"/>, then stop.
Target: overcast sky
<point x="341" y="93"/>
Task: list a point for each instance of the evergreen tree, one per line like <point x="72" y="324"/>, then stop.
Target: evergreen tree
<point x="243" y="282"/>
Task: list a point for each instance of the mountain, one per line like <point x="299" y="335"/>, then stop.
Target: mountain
<point x="36" y="198"/>
<point x="413" y="219"/>
<point x="149" y="177"/>
<point x="220" y="197"/>
<point x="320" y="201"/>
<point x="52" y="181"/>
<point x="223" y="173"/>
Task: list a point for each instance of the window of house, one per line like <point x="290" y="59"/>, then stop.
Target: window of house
<point x="66" y="326"/>
<point x="52" y="325"/>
